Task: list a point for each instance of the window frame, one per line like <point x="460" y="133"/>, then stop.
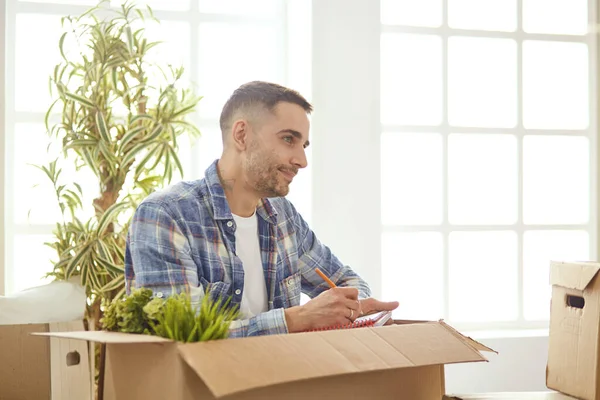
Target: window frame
<point x="519" y="131"/>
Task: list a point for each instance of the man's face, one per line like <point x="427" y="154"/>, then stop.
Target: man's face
<point x="276" y="150"/>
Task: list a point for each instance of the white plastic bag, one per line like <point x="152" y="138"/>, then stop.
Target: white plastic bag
<point x="58" y="301"/>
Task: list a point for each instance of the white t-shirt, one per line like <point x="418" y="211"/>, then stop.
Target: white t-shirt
<point x="254" y="297"/>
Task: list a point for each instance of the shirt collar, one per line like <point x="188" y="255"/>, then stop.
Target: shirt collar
<point x="218" y="200"/>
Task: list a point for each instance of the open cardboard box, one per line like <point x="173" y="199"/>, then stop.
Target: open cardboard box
<point x="401" y="361"/>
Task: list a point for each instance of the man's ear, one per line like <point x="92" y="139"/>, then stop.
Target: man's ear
<point x="240" y="131"/>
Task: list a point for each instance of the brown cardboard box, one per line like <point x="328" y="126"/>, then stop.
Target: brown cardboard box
<point x="401" y="361"/>
<point x="32" y="368"/>
<point x="511" y="396"/>
<point x="574" y="329"/>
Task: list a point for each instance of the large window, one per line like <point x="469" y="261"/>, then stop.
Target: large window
<point x="487" y="154"/>
<point x="221" y="44"/>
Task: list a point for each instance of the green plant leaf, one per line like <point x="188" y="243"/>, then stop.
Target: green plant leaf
<point x="61" y="43"/>
<point x="91" y="163"/>
<point x="139" y="117"/>
<point x="154" y="134"/>
<point x="75" y="261"/>
<point x="92" y="271"/>
<point x="176" y="160"/>
<point x="157" y="152"/>
<point x="110" y="266"/>
<point x="102" y="127"/>
<point x="78" y="144"/>
<point x="109" y="216"/>
<point x="80" y="99"/>
<point x="114" y="284"/>
<point x="130" y="156"/>
<point x="130" y="136"/>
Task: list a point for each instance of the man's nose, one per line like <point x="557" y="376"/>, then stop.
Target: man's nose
<point x="300" y="160"/>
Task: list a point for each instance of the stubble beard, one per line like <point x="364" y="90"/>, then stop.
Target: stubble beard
<point x="263" y="173"/>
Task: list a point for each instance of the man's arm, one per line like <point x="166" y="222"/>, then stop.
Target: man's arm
<point x="314" y="254"/>
<point x="158" y="257"/>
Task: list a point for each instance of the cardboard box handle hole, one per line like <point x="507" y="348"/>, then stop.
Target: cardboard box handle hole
<point x="73" y="358"/>
<point x="575" y="301"/>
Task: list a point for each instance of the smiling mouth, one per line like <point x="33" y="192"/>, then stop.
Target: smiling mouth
<point x="289" y="175"/>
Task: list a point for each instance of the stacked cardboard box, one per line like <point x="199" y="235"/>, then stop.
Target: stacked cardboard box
<point x="32" y="369"/>
<point x="573" y="353"/>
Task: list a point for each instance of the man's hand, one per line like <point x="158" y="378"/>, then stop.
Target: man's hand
<point x="371" y="305"/>
<point x="336" y="306"/>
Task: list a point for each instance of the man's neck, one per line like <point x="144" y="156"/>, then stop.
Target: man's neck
<point x="241" y="200"/>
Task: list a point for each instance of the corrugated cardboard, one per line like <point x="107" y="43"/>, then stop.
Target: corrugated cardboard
<point x="511" y="396"/>
<point x="574" y="329"/>
<point x="402" y="361"/>
<point x="32" y="369"/>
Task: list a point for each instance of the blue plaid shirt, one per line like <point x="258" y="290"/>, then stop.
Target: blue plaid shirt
<point x="183" y="238"/>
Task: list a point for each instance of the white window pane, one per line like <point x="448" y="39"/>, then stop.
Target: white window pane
<point x="207" y="148"/>
<point x="556" y="180"/>
<point x="411" y="79"/>
<point x="482" y="82"/>
<point x="174" y="48"/>
<point x="412" y="274"/>
<point x="263" y="8"/>
<point x="539" y="248"/>
<point x="555" y="85"/>
<point x="31" y="262"/>
<point x="489" y="15"/>
<point x="482" y="185"/>
<point x="231" y="55"/>
<point x="35" y="59"/>
<point x="169" y="5"/>
<point x="411" y="12"/>
<point x="34" y="197"/>
<point x="411" y="179"/>
<point x="185" y="153"/>
<point x="555" y="16"/>
<point x="483" y="276"/>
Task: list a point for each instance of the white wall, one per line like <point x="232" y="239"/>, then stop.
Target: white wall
<point x="345" y="132"/>
<point x="519" y="366"/>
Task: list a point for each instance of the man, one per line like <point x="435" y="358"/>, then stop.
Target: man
<point x="235" y="233"/>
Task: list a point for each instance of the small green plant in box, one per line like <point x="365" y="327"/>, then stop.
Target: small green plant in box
<point x="173" y="318"/>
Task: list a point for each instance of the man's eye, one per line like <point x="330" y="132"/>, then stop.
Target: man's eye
<point x="288" y="139"/>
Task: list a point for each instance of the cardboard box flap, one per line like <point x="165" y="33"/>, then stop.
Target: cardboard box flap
<point x="303" y="356"/>
<point x="573" y="275"/>
<point x="105" y="337"/>
<point x="472" y="342"/>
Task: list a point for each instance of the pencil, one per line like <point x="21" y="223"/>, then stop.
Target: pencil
<point x="325" y="278"/>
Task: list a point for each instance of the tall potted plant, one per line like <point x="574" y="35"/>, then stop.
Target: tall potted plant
<point x="118" y="116"/>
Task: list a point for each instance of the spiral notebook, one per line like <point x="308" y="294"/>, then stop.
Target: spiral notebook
<point x="371" y="320"/>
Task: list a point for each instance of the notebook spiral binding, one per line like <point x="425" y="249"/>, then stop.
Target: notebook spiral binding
<point x="355" y="324"/>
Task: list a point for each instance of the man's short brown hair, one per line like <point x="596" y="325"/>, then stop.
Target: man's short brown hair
<point x="256" y="96"/>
